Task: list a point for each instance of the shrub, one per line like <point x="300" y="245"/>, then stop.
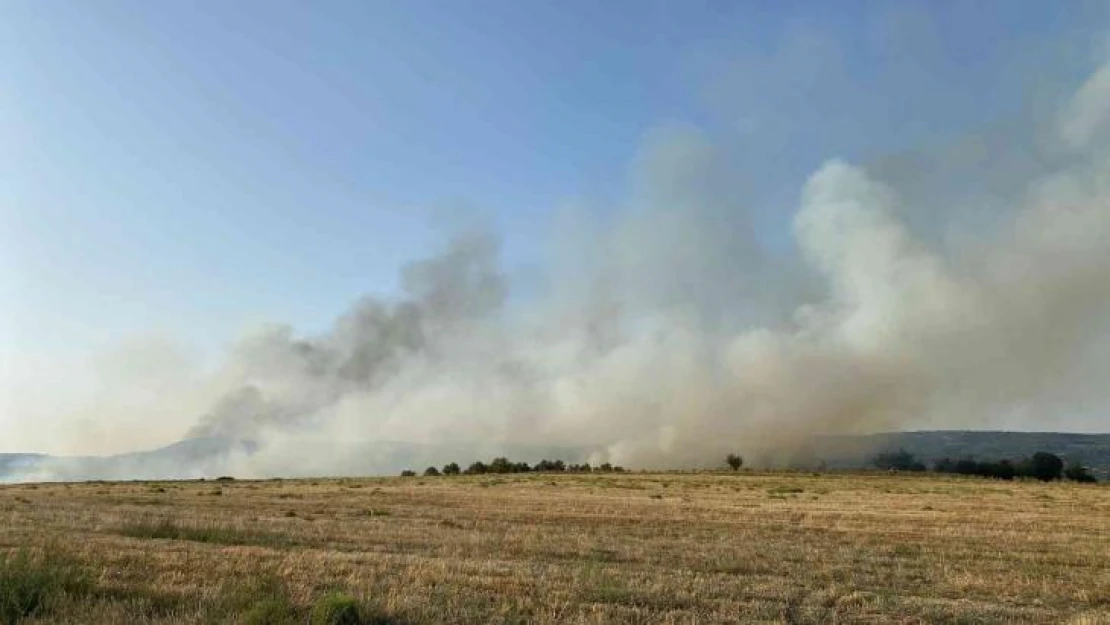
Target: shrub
<point x="1001" y="470"/>
<point x="167" y="528"/>
<point x="408" y="473"/>
<point x="734" y="462"/>
<point x="270" y="611"/>
<point x="1043" y="466"/>
<point x="431" y="472"/>
<point x="477" y="468"/>
<point x="1046" y="467"/>
<point x="335" y="608"/>
<point x="500" y="465"/>
<point x="550" y="465"/>
<point x="900" y="460"/>
<point x="451" y="468"/>
<point x="967" y="466"/>
<point x="29" y="587"/>
<point x="1078" y="473"/>
<point x="258" y="599"/>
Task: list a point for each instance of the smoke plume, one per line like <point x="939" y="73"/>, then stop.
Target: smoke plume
<point x="669" y="336"/>
<point x="672" y="333"/>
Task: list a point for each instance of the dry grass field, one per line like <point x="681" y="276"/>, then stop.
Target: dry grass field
<point x="748" y="547"/>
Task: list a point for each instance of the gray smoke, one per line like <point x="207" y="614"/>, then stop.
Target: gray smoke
<point x="670" y="335"/>
<point x="673" y="333"/>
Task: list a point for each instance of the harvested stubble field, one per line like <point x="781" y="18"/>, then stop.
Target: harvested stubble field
<point x="538" y="548"/>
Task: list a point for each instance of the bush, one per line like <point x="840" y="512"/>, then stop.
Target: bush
<point x="1001" y="470"/>
<point x="550" y="466"/>
<point x="1046" y="467"/>
<point x="167" y="528"/>
<point x="967" y="466"/>
<point x="335" y="609"/>
<point x="451" y="468"/>
<point x="477" y="468"/>
<point x="1078" y="473"/>
<point x="500" y="465"/>
<point x="1042" y="466"/>
<point x="900" y="460"/>
<point x="431" y="472"/>
<point x="29" y="587"/>
<point x="734" y="462"/>
<point x="270" y="611"/>
<point x="408" y="473"/>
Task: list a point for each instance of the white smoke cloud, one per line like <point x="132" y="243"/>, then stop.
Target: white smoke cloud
<point x="670" y="335"/>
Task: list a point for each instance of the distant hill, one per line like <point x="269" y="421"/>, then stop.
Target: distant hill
<point x="211" y="457"/>
<point x="11" y="463"/>
<point x="1090" y="450"/>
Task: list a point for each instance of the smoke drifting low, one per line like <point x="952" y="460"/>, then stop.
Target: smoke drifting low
<point x="671" y="333"/>
<point x="670" y="336"/>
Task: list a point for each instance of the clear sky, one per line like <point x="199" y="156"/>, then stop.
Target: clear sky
<point x="195" y="167"/>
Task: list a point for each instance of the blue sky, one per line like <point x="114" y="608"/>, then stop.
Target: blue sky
<point x="197" y="167"/>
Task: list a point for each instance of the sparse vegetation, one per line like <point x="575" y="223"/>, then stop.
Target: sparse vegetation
<point x="336" y="608"/>
<point x="550" y="466"/>
<point x="169" y="529"/>
<point x="31" y="586"/>
<point x="1041" y="466"/>
<point x="1078" y="473"/>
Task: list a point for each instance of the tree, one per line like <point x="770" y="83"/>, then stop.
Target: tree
<point x="1046" y="467"/>
<point x="945" y="465"/>
<point x="477" y="468"/>
<point x="1002" y="470"/>
<point x="451" y="468"/>
<point x="1078" y="473"/>
<point x="734" y="461"/>
<point x="900" y="460"/>
<point x="967" y="466"/>
<point x="408" y="473"/>
<point x="431" y="472"/>
<point x="500" y="465"/>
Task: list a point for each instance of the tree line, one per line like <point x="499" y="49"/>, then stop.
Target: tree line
<point x="1042" y="466"/>
<point x="504" y="465"/>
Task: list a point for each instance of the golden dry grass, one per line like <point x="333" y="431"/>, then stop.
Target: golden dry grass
<point x="646" y="548"/>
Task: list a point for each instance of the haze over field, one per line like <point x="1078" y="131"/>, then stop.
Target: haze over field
<point x="889" y="224"/>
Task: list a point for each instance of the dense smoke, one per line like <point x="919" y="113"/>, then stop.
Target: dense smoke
<point x="669" y="334"/>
